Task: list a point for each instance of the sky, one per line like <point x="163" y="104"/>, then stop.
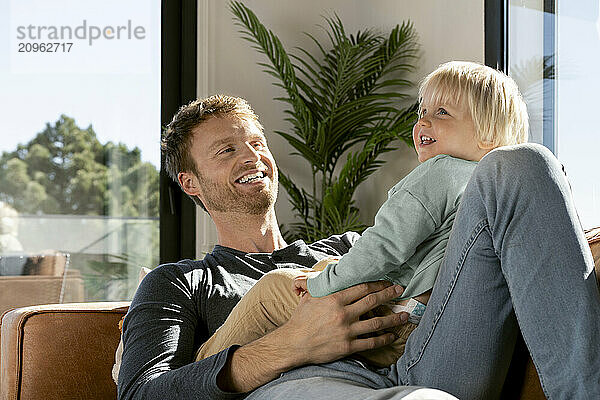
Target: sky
<point x="112" y="84"/>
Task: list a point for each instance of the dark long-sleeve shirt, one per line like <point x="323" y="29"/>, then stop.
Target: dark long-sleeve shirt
<point x="178" y="306"/>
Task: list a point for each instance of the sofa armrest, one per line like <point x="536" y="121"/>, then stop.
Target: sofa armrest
<point x="60" y="351"/>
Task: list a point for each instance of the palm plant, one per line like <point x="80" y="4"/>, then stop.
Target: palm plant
<point x="342" y="102"/>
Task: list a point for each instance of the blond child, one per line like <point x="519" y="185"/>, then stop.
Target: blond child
<point x="465" y="111"/>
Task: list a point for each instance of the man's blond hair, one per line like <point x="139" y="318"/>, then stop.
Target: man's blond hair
<point x="493" y="99"/>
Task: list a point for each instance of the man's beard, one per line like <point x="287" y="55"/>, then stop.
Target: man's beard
<point x="222" y="198"/>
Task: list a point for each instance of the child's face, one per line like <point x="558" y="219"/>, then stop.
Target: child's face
<point x="446" y="129"/>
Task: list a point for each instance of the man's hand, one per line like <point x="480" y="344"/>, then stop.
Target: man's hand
<point x="328" y="328"/>
<point x="320" y="330"/>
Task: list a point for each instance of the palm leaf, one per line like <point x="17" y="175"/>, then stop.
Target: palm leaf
<point x="344" y="103"/>
<point x="270" y="45"/>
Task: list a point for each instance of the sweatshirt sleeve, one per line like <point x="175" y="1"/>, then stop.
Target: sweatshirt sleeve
<point x="159" y="336"/>
<point x="401" y="224"/>
<point x="416" y="208"/>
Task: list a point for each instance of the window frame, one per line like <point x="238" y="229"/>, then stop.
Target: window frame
<point x="178" y="86"/>
<point x="496" y="31"/>
<point x="496" y="34"/>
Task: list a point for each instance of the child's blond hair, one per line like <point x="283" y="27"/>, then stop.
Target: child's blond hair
<point x="493" y="99"/>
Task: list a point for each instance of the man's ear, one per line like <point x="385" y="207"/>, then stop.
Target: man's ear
<point x="189" y="183"/>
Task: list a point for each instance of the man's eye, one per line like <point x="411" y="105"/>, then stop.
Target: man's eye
<point x="226" y="150"/>
<point x="259" y="145"/>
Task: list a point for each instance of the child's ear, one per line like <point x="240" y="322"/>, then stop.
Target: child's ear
<point x="486" y="145"/>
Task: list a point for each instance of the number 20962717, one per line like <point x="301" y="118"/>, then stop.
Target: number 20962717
<point x="50" y="47"/>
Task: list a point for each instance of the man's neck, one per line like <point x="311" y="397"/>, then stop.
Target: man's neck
<point x="249" y="233"/>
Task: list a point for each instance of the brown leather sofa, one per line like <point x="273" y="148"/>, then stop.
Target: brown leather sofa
<point x="60" y="351"/>
<point x="66" y="351"/>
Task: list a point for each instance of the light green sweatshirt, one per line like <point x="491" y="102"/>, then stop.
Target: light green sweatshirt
<point x="407" y="242"/>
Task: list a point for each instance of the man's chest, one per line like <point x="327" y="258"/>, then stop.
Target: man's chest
<point x="228" y="277"/>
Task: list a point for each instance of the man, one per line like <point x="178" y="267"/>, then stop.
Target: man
<point x="494" y="267"/>
<point x="216" y="150"/>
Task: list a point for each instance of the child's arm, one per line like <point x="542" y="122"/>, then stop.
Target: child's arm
<point x="415" y="221"/>
<point x="299" y="285"/>
<point x="401" y="224"/>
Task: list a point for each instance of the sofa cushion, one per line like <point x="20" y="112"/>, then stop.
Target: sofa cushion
<point x="593" y="237"/>
<point x="119" y="352"/>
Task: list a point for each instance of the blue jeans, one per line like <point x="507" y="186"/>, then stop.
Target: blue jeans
<point x="516" y="259"/>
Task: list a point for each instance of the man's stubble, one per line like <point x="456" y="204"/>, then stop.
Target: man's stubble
<point x="225" y="199"/>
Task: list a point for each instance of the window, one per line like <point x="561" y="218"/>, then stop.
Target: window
<point x="79" y="155"/>
<point x="552" y="50"/>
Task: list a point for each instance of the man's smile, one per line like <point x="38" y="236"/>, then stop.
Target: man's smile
<point x="252" y="177"/>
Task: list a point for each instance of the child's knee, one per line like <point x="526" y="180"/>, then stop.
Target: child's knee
<point x="277" y="280"/>
<point x="275" y="286"/>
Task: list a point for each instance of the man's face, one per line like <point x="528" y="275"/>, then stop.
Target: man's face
<point x="236" y="171"/>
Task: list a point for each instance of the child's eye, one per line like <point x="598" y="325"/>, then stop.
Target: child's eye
<point x="442" y="111"/>
<point x="421" y="113"/>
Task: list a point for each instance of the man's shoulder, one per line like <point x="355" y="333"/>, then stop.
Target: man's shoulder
<point x="335" y="244"/>
<point x="212" y="261"/>
<point x="182" y="270"/>
<point x="182" y="266"/>
<point x="198" y="276"/>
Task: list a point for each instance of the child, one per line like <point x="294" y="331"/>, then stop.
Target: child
<point x="465" y="111"/>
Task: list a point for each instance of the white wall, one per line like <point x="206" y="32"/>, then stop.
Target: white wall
<point x="448" y="30"/>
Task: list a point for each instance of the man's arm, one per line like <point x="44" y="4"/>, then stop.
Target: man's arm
<point x="320" y="330"/>
<point x="161" y="333"/>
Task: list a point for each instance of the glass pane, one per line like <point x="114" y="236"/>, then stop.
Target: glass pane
<point x="577" y="86"/>
<point x="554" y="53"/>
<point x="80" y="154"/>
<point x="526" y="59"/>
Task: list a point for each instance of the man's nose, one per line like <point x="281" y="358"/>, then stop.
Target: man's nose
<point x="250" y="154"/>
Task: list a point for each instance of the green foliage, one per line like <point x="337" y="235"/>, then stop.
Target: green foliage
<point x="342" y="102"/>
<point x="66" y="170"/>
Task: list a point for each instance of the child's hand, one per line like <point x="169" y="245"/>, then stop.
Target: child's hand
<point x="300" y="285"/>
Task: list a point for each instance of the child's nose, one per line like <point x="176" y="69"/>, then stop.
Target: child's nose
<point x="423" y="121"/>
